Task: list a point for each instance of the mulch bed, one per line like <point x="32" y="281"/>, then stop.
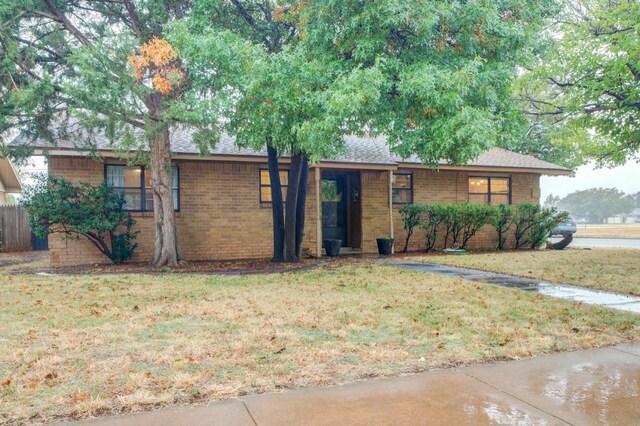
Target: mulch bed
<point x="11" y="259"/>
<point x="254" y="266"/>
<point x="231" y="267"/>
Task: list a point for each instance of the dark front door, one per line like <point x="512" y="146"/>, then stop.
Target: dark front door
<point x="334" y="208"/>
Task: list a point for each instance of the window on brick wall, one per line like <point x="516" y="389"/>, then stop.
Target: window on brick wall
<point x="265" y="185"/>
<point x="490" y="190"/>
<point x="402" y="188"/>
<point x="135" y="183"/>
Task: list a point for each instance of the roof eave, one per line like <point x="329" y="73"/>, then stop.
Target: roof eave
<point x="252" y="158"/>
<point x="9" y="176"/>
<point x="336" y="164"/>
<point x="502" y="169"/>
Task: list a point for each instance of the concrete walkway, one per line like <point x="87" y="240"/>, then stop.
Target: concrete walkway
<point x="563" y="291"/>
<point x="590" y="387"/>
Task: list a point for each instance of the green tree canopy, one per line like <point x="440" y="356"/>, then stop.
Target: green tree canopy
<point x="283" y="97"/>
<point x="434" y="77"/>
<point x="446" y="67"/>
<point x="586" y="89"/>
<point x="72" y="69"/>
<point x="597" y="204"/>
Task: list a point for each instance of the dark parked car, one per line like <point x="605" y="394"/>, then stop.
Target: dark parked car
<point x="567" y="228"/>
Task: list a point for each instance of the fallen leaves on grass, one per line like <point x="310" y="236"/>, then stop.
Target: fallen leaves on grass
<point x="178" y="338"/>
<point x="79" y="397"/>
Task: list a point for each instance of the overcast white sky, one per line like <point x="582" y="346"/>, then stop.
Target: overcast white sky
<point x="625" y="178"/>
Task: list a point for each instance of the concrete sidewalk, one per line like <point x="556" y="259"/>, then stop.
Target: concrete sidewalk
<point x="599" y="386"/>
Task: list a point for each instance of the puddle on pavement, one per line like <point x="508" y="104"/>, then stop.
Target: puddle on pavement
<point x="570" y="292"/>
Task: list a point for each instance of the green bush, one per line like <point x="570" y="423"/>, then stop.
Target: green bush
<point x="122" y="246"/>
<point x="503" y="220"/>
<point x="432" y="218"/>
<point x="547" y="219"/>
<point x="533" y="223"/>
<point x="463" y="221"/>
<point x="411" y="215"/>
<point x="460" y="222"/>
<point x="55" y="205"/>
<point x="475" y="216"/>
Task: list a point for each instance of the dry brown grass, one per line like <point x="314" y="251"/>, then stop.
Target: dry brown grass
<point x="76" y="346"/>
<point x="616" y="270"/>
<point x="631" y="230"/>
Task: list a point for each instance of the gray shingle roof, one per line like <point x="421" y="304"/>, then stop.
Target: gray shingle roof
<point x="359" y="150"/>
<point x="499" y="157"/>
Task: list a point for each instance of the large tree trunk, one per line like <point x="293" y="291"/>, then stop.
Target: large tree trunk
<point x="167" y="250"/>
<point x="290" y="219"/>
<point x="277" y="209"/>
<point x="302" y="205"/>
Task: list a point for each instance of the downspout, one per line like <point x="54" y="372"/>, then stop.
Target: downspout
<point x="318" y="212"/>
<point x="391" y="206"/>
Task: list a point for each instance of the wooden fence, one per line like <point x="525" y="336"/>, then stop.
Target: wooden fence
<point x="14" y="225"/>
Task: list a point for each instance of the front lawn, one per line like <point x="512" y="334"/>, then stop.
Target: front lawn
<point x="616" y="270"/>
<point x="75" y="346"/>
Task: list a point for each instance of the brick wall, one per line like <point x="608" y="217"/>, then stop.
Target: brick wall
<point x="446" y="186"/>
<point x="221" y="216"/>
<point x="375" y="208"/>
<point x="310" y="232"/>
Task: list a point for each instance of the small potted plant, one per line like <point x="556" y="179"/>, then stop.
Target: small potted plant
<point x="332" y="247"/>
<point x="385" y="245"/>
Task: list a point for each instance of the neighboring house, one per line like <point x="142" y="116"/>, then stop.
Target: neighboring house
<point x="223" y="199"/>
<point x="9" y="180"/>
<point x="633" y="217"/>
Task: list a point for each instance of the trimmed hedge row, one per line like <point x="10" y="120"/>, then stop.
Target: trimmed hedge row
<point x="460" y="222"/>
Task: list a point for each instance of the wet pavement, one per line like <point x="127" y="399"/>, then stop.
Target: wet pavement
<point x="591" y="387"/>
<point x="562" y="291"/>
<point x="602" y="242"/>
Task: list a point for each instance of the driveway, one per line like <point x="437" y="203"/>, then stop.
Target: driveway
<point x="603" y="242"/>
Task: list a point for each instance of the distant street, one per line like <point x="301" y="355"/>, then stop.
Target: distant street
<point x="603" y="242"/>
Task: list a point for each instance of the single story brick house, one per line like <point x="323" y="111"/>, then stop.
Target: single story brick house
<point x="223" y="200"/>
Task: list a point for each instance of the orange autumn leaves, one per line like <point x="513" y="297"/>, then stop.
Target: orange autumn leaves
<point x="158" y="61"/>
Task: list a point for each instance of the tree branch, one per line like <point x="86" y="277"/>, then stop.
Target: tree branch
<point x="135" y="19"/>
<point x="634" y="71"/>
<point x="244" y="13"/>
<point x="66" y="23"/>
